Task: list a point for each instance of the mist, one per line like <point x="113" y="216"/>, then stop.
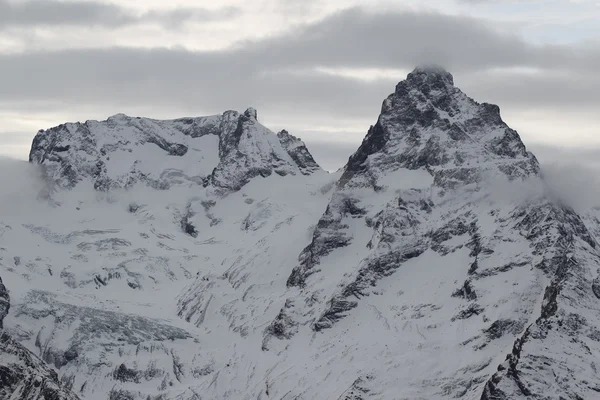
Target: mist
<point x="20" y="184"/>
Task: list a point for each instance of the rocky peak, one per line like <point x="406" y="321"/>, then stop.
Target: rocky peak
<point x="251" y="113"/>
<point x="429" y="140"/>
<point x="298" y="152"/>
<point x="428" y="123"/>
<point x="432" y="77"/>
<point x="224" y="151"/>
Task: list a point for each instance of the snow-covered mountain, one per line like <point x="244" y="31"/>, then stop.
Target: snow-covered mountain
<point x="209" y="258"/>
<point x="222" y="151"/>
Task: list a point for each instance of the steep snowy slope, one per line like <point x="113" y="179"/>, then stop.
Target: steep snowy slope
<point x="439" y="254"/>
<point x="94" y="275"/>
<point x="22" y="374"/>
<point x="209" y="258"/>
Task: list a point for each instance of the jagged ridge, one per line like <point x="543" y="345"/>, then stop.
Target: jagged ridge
<point x="222" y="151"/>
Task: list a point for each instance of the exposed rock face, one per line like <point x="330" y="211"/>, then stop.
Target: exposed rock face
<point x="434" y="266"/>
<point x="248" y="151"/>
<point x="224" y="151"/>
<point x="23" y="376"/>
<point x="429" y="124"/>
<point x="430" y="138"/>
<point x="298" y="152"/>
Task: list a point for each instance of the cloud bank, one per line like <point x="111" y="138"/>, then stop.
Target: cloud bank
<point x="310" y="79"/>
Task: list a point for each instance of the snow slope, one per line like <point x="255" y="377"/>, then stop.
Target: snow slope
<point x="208" y="258"/>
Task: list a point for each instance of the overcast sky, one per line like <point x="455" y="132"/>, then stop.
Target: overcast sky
<point x="319" y="68"/>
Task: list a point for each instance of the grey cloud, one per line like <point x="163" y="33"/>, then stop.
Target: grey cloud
<point x="174" y="18"/>
<point x="298" y="6"/>
<point x="355" y="38"/>
<point x="11" y="138"/>
<point x="69" y="13"/>
<point x="258" y="73"/>
<point x="544" y="89"/>
<point x="15" y="144"/>
<point x="331" y="155"/>
<point x="178" y="79"/>
<point x="573" y="174"/>
<point x="550" y="155"/>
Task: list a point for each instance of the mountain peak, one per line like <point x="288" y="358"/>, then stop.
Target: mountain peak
<point x="431" y="74"/>
<point x="119" y="116"/>
<point x="298" y="152"/>
<point x="251" y="113"/>
<point x="429" y="124"/>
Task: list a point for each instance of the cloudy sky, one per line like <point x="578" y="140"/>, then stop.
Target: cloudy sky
<point x="319" y="68"/>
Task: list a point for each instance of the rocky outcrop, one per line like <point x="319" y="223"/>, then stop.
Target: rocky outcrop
<point x="430" y="124"/>
<point x="249" y="150"/>
<point x="23" y="376"/>
<point x="4" y="303"/>
<point x="298" y="152"/>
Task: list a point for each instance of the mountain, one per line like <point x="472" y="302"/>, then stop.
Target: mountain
<point x="210" y="258"/>
<point x="224" y="151"/>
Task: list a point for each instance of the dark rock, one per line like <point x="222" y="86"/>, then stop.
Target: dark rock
<point x="368" y="275"/>
<point x="177" y="149"/>
<point x="359" y="390"/>
<point x="349" y="206"/>
<point x="374" y="142"/>
<point x="466" y="291"/>
<point x="120" y="394"/>
<point x="4" y="303"/>
<point x="186" y="225"/>
<point x="298" y="152"/>
<point x="71" y="354"/>
<point x="282" y="327"/>
<point x="491" y="390"/>
<point x="471" y="310"/>
<point x="328" y="236"/>
<point x="133" y="208"/>
<point x="501" y="327"/>
<point x="124" y="374"/>
<point x="336" y="310"/>
<point x="596" y="287"/>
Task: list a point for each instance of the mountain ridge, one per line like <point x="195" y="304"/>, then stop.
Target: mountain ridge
<point x="73" y="152"/>
<point x="211" y="258"/>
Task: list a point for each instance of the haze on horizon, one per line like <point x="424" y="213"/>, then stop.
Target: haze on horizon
<point x="318" y="68"/>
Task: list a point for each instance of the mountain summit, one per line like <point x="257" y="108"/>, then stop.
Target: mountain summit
<point x="223" y="151"/>
<point x="428" y="123"/>
<point x="228" y="265"/>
